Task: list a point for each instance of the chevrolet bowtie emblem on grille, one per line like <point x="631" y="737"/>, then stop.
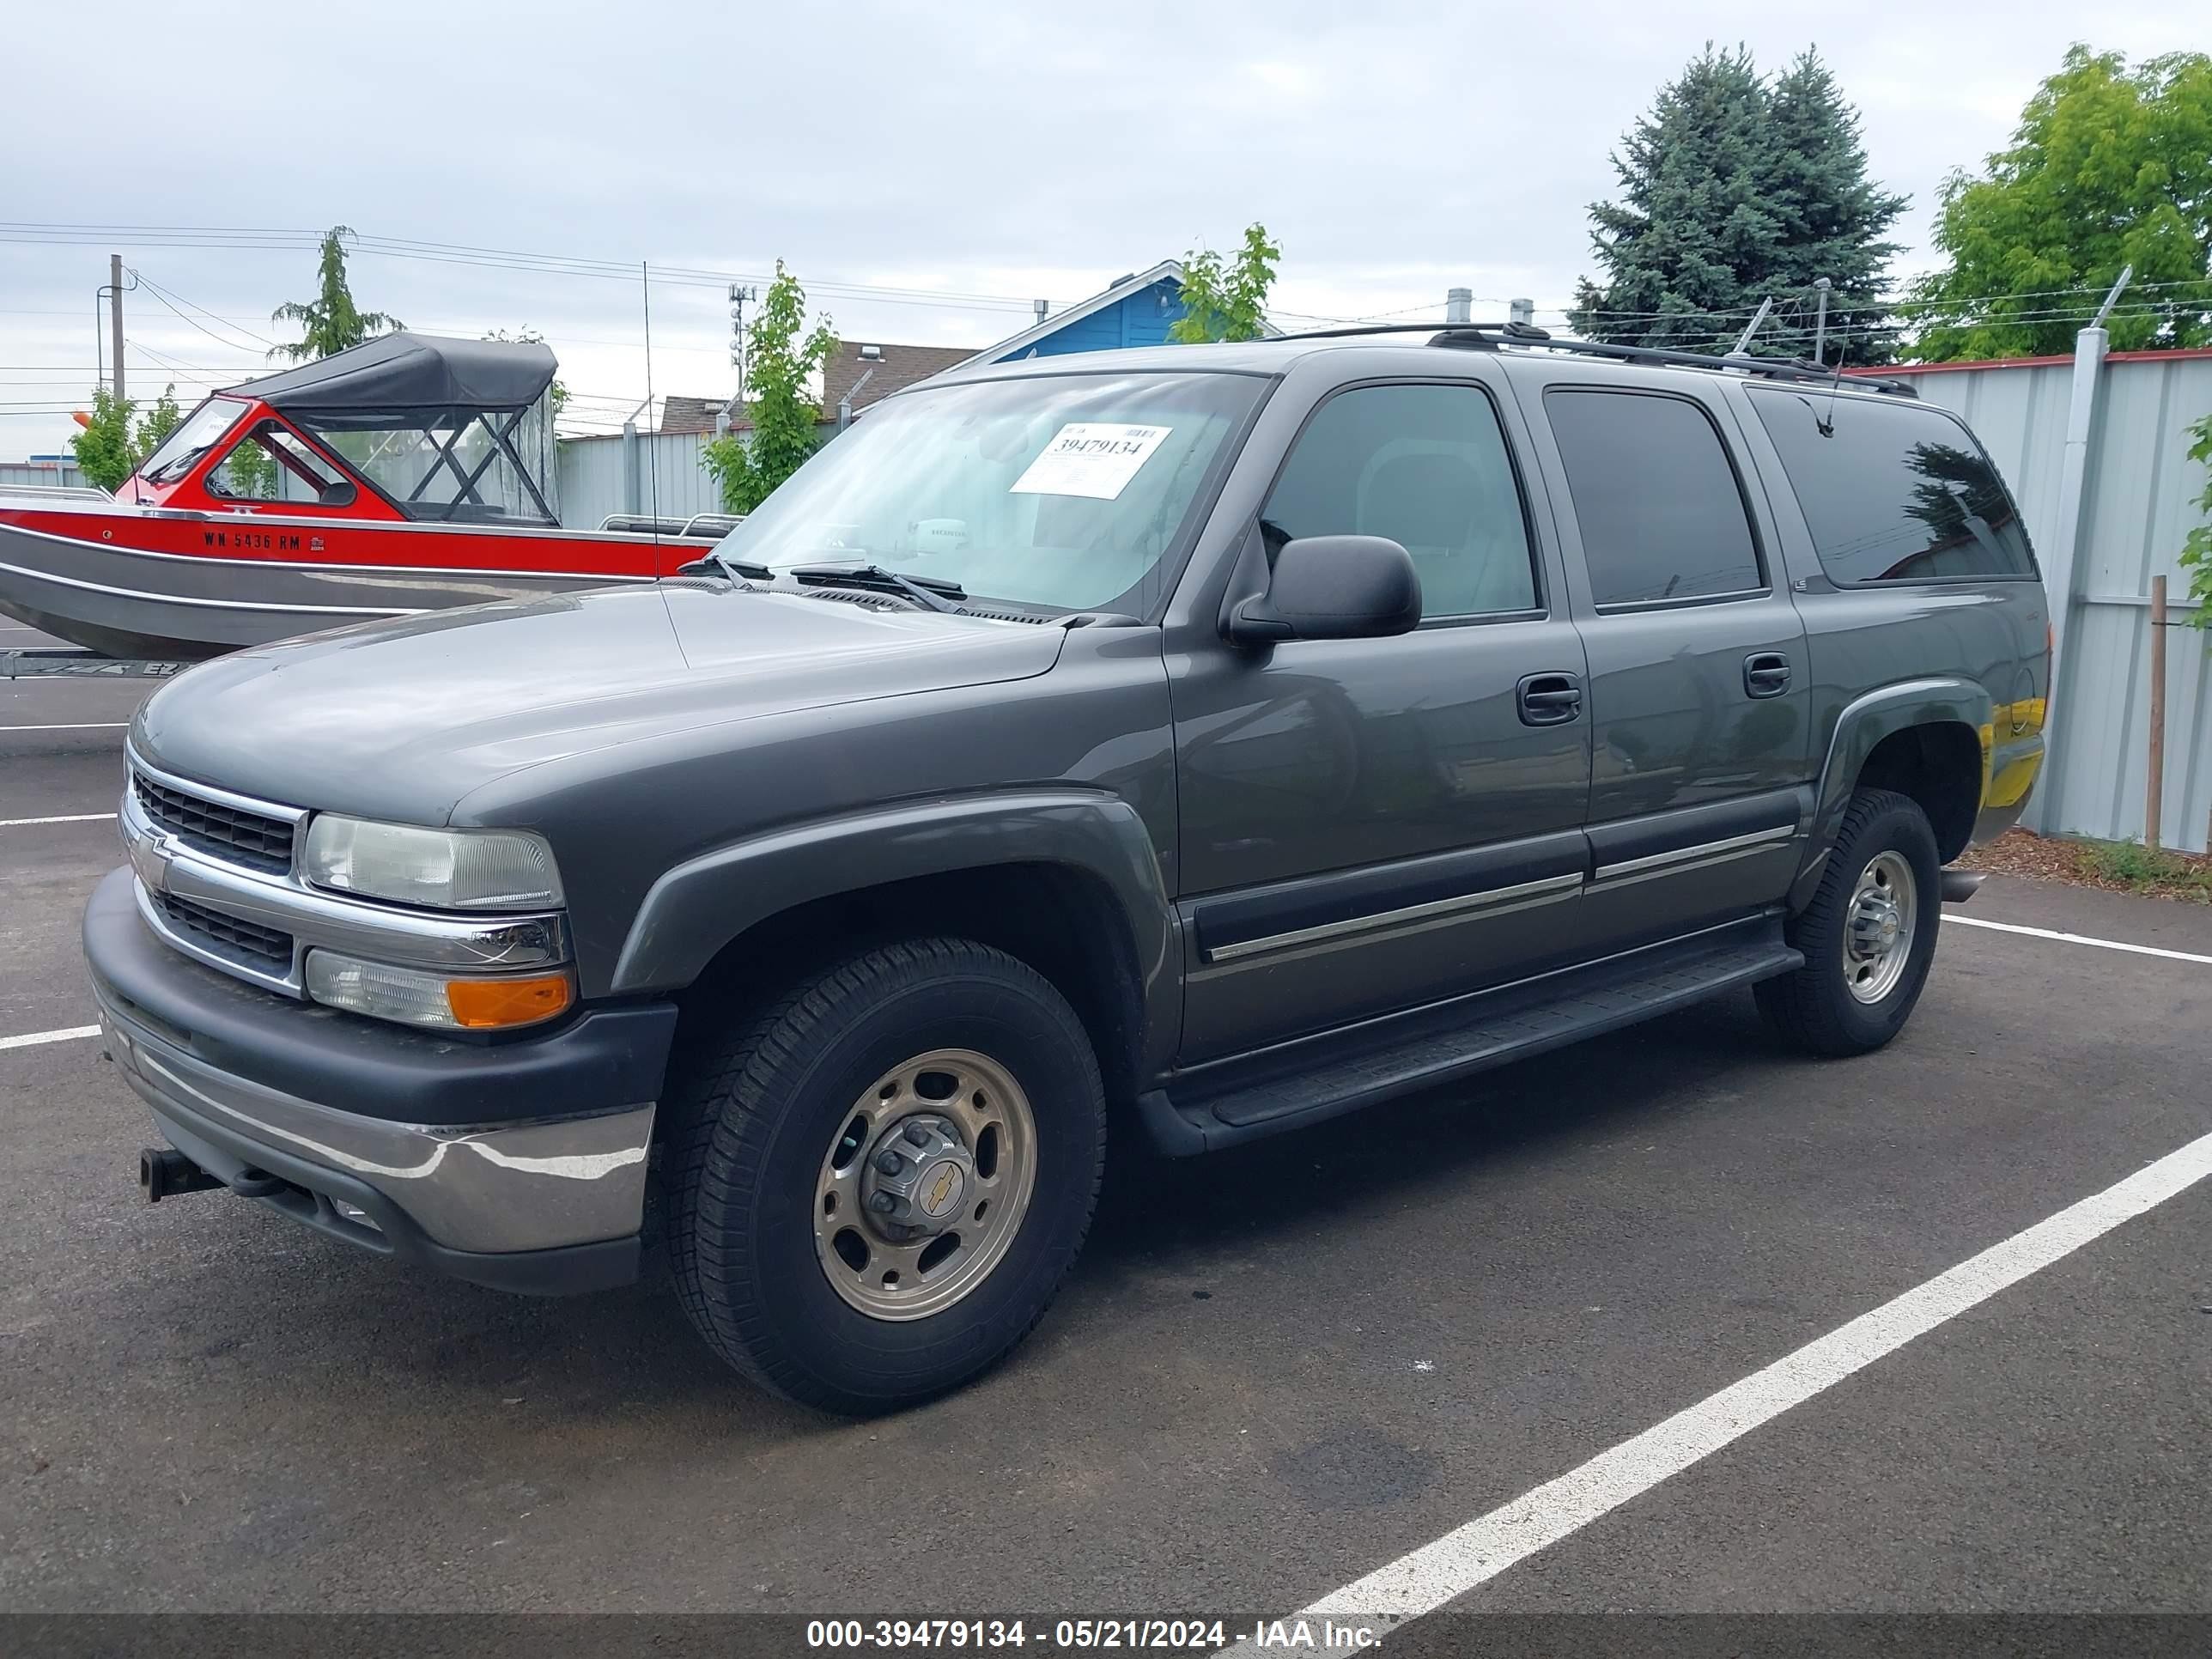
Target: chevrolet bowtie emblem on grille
<point x="151" y="859"/>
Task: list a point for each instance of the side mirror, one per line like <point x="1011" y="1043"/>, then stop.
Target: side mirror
<point x="1332" y="587"/>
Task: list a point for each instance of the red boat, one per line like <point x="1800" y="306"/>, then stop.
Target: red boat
<point x="407" y="474"/>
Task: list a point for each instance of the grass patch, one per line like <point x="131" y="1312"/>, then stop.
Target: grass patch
<point x="2131" y="865"/>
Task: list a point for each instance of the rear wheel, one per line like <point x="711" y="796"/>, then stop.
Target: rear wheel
<point x="1868" y="935"/>
<point x="876" y="1187"/>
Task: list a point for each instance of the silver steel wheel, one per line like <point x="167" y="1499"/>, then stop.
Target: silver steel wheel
<point x="925" y="1184"/>
<point x="1879" y="927"/>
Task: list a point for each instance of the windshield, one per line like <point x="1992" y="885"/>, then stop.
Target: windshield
<point x="1062" y="492"/>
<point x="463" y="464"/>
<point x="198" y="433"/>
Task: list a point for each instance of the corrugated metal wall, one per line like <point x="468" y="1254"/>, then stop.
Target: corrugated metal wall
<point x="41" y="472"/>
<point x="591" y="485"/>
<point x="2140" y="483"/>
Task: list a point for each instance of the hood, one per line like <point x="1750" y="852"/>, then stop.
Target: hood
<point x="402" y="719"/>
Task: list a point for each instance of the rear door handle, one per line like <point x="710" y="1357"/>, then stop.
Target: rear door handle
<point x="1548" y="699"/>
<point x="1765" y="674"/>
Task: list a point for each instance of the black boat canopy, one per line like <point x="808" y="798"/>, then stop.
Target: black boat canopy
<point x="411" y="371"/>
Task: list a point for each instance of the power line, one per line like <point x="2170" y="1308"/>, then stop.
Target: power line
<point x="256" y="240"/>
<point x="173" y="300"/>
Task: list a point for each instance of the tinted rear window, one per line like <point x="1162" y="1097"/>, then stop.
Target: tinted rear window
<point x="1893" y="492"/>
<point x="1660" y="512"/>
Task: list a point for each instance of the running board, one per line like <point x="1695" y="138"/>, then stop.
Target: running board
<point x="1319" y="1079"/>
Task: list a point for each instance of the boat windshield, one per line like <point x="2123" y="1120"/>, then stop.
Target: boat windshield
<point x="1059" y="491"/>
<point x="463" y="465"/>
<point x="200" y="431"/>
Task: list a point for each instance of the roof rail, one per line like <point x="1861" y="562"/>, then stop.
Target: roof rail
<point x="1488" y="337"/>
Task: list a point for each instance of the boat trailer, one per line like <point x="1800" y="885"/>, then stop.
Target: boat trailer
<point x="71" y="662"/>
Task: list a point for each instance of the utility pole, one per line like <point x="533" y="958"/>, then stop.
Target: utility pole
<point x="739" y="293"/>
<point x="115" y="316"/>
<point x="1820" y="322"/>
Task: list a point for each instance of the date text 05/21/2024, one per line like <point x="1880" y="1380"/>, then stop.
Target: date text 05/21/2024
<point x="1204" y="1635"/>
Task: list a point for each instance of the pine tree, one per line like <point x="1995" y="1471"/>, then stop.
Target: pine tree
<point x="1833" y="218"/>
<point x="1732" y="191"/>
<point x="330" y="321"/>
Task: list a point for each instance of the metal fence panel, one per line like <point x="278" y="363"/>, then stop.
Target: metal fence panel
<point x="669" y="470"/>
<point x="41" y="472"/>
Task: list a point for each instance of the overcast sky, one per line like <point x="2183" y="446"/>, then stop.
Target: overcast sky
<point x="986" y="153"/>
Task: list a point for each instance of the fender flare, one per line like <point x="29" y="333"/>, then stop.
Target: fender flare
<point x="1862" y="726"/>
<point x="696" y="909"/>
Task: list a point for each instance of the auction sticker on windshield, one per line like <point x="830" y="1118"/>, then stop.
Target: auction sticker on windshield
<point x="1090" y="457"/>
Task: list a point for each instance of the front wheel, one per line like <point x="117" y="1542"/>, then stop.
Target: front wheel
<point x="1868" y="935"/>
<point x="878" y="1185"/>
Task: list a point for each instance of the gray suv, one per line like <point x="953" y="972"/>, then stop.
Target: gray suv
<point x="1205" y="742"/>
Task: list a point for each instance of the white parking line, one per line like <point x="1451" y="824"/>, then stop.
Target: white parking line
<point x="1478" y="1552"/>
<point x="68" y="818"/>
<point x="67" y="1034"/>
<point x="2075" y="938"/>
<point x="76" y="726"/>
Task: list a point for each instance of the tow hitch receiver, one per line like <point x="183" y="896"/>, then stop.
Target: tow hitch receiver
<point x="164" y="1172"/>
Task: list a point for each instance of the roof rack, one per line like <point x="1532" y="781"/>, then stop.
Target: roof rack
<point x="1488" y="337"/>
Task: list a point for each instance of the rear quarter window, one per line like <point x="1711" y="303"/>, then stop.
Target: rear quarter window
<point x="1893" y="491"/>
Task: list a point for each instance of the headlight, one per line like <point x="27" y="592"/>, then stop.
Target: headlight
<point x="413" y="996"/>
<point x="439" y="869"/>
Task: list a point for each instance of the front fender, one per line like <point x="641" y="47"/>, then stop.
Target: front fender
<point x="1863" y="723"/>
<point x="696" y="909"/>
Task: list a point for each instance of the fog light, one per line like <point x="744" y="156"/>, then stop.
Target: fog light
<point x="411" y="996"/>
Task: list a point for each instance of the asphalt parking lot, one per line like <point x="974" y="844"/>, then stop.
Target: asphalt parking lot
<point x="1275" y="1372"/>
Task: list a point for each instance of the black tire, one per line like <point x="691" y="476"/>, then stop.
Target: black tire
<point x="754" y="1113"/>
<point x="1815" y="1008"/>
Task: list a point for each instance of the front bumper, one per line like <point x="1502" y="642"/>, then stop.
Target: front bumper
<point x="519" y="1165"/>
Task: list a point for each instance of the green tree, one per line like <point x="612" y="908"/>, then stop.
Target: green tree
<point x="249" y="473"/>
<point x="157" y="424"/>
<point x="330" y="321"/>
<point x="780" y="364"/>
<point x="102" y="441"/>
<point x="1734" y="190"/>
<point x="2196" y="550"/>
<point x="1226" y="299"/>
<point x="2110" y="166"/>
<point x="108" y="448"/>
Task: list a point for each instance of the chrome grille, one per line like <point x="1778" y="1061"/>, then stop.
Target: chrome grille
<point x="252" y="839"/>
<point x="227" y="933"/>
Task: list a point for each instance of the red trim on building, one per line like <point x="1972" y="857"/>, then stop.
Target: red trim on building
<point x="2026" y="363"/>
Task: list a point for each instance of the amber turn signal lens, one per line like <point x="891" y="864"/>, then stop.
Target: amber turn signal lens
<point x="485" y="1004"/>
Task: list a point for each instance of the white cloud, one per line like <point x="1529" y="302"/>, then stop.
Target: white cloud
<point x="992" y="148"/>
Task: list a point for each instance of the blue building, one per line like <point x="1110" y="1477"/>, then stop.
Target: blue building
<point x="1137" y="310"/>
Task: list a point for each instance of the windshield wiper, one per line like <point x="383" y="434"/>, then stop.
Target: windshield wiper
<point x="930" y="593"/>
<point x="714" y="564"/>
